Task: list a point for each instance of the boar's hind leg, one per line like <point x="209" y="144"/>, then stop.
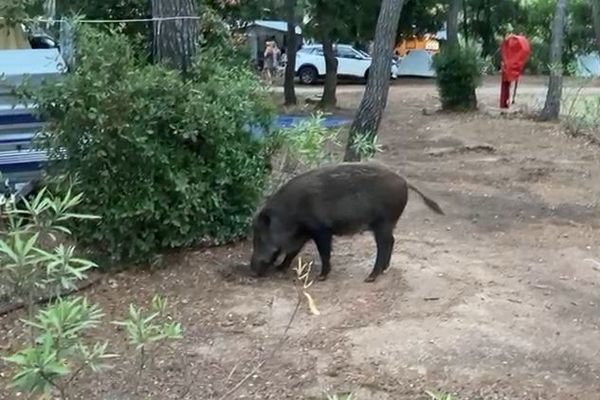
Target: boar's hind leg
<point x="384" y="236"/>
<point x="322" y="239"/>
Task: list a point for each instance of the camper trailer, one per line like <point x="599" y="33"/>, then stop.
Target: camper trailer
<point x="37" y="58"/>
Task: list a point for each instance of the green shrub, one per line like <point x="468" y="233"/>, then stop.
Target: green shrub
<point x="537" y="64"/>
<point x="165" y="161"/>
<point x="459" y="72"/>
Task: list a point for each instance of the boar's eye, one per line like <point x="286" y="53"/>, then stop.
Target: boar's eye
<point x="265" y="219"/>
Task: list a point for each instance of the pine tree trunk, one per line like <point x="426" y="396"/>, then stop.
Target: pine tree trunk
<point x="329" y="98"/>
<point x="175" y="40"/>
<point x="596" y="20"/>
<point x="289" y="92"/>
<point x="374" y="100"/>
<point x="489" y="41"/>
<point x="552" y="106"/>
<point x="465" y="20"/>
<point x="452" y="22"/>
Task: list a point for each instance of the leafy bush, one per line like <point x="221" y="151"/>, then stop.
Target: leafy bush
<point x="165" y="161"/>
<point x="537" y="64"/>
<point x="459" y="72"/>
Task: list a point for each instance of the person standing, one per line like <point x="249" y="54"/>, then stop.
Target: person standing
<point x="269" y="61"/>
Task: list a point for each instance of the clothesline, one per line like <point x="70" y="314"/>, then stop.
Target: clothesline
<point x="115" y="21"/>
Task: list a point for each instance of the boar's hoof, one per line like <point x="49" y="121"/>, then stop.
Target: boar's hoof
<point x="371" y="278"/>
<point x="322" y="278"/>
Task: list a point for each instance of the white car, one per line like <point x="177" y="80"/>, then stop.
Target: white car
<point x="352" y="63"/>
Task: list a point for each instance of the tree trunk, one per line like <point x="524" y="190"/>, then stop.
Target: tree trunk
<point x="452" y="22"/>
<point x="175" y="40"/>
<point x="289" y="92"/>
<point x="489" y="42"/>
<point x="331" y="63"/>
<point x="552" y="106"/>
<point x="465" y="20"/>
<point x="596" y="19"/>
<point x="374" y="100"/>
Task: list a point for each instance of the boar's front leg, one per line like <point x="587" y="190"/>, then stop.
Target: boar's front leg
<point x="384" y="236"/>
<point x="287" y="261"/>
<point x="322" y="239"/>
<point x="297" y="243"/>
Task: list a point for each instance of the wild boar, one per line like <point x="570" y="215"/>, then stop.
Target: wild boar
<point x="333" y="200"/>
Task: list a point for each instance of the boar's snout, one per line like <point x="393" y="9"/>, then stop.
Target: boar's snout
<point x="258" y="267"/>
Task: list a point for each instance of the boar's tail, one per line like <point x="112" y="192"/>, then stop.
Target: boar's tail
<point x="428" y="202"/>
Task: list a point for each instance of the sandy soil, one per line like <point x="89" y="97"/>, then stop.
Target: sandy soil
<point x="495" y="300"/>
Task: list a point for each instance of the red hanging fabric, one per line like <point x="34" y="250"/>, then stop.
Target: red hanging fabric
<point x="515" y="52"/>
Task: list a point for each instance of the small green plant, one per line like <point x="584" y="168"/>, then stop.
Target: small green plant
<point x="34" y="261"/>
<point x="581" y="113"/>
<point x="305" y="146"/>
<point x="59" y="354"/>
<point x="459" y="72"/>
<point x="307" y="141"/>
<point x="62" y="350"/>
<point x="148" y="332"/>
<point x="366" y="146"/>
<point x="583" y="118"/>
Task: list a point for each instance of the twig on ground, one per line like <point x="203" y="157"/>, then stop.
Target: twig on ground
<point x="303" y="271"/>
<point x="191" y="380"/>
<point x="596" y="266"/>
<point x="231" y="373"/>
<point x="263" y="362"/>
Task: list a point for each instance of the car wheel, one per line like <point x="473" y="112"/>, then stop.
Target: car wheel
<point x="308" y="75"/>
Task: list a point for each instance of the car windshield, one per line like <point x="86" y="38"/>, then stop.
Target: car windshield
<point x="363" y="53"/>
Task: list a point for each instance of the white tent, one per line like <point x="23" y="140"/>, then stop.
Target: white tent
<point x="588" y="65"/>
<point x="416" y="63"/>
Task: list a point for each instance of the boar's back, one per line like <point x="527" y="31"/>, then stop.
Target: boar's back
<point x="345" y="197"/>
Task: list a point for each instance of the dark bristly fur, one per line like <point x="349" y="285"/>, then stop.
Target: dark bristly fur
<point x="334" y="200"/>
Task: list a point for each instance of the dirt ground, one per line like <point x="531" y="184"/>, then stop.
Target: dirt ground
<point x="495" y="300"/>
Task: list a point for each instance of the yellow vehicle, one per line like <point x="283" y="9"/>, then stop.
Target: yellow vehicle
<point x="427" y="42"/>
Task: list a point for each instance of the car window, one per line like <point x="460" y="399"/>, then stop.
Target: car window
<point x="307" y="50"/>
<point x="345" y="52"/>
<point x="366" y="55"/>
